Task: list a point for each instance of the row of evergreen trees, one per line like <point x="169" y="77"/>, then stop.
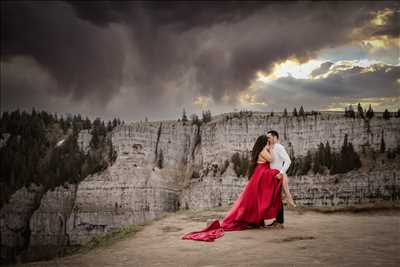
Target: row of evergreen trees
<point x="348" y="112"/>
<point x="206" y="117"/>
<point x="322" y="161"/>
<point x="14" y="122"/>
<point x="325" y="161"/>
<point x="241" y="164"/>
<point x="29" y="153"/>
<point x="369" y="113"/>
<point x="300" y="113"/>
<point x="243" y="113"/>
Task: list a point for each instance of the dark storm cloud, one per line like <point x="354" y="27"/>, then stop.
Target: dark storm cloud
<point x="391" y="27"/>
<point x="85" y="60"/>
<point x="274" y="33"/>
<point x="94" y="49"/>
<point x="166" y="37"/>
<point x="225" y="48"/>
<point x="184" y="16"/>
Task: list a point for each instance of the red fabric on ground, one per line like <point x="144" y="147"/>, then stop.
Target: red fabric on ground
<point x="259" y="200"/>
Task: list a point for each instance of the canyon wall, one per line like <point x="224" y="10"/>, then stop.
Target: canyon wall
<point x="169" y="165"/>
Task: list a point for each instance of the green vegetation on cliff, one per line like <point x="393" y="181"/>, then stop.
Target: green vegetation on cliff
<point x="42" y="148"/>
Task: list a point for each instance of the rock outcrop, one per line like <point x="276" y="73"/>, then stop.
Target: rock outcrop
<point x="166" y="165"/>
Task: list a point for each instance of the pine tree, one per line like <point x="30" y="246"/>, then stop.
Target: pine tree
<point x="206" y="116"/>
<point x="321" y="154"/>
<point x="370" y="112"/>
<point x="306" y="164"/>
<point x="344" y="158"/>
<point x="316" y="163"/>
<point x="301" y="111"/>
<point x="328" y="155"/>
<point x="351" y="112"/>
<point x="109" y="126"/>
<point x="295" y="112"/>
<point x="96" y="132"/>
<point x="184" y="117"/>
<point x="285" y="114"/>
<point x="386" y="114"/>
<point x="383" y="145"/>
<point x="354" y="158"/>
<point x="114" y="123"/>
<point x="360" y="110"/>
<point x="334" y="164"/>
<point x="160" y="161"/>
<point x="235" y="158"/>
<point x="87" y="123"/>
<point x="345" y="141"/>
<point x="195" y="119"/>
<point x="347" y="160"/>
<point x="244" y="165"/>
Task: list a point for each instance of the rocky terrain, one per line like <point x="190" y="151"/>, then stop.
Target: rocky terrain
<point x="309" y="239"/>
<point x="166" y="166"/>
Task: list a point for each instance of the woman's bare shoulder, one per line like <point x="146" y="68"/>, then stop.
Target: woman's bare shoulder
<point x="267" y="147"/>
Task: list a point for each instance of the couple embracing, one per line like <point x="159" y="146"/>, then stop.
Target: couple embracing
<point x="260" y="201"/>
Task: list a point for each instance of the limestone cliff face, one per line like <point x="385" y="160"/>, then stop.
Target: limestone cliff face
<point x="166" y="166"/>
<point x="222" y="137"/>
<point x="14" y="221"/>
<point x="339" y="190"/>
<point x="124" y="194"/>
<point x="49" y="223"/>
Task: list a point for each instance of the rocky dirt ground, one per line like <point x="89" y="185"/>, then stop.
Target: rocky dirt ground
<point x="310" y="238"/>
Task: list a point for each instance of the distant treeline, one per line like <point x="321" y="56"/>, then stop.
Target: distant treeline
<point x="322" y="160"/>
<point x="195" y="120"/>
<point x="29" y="152"/>
<point x="368" y="114"/>
<point x="349" y="112"/>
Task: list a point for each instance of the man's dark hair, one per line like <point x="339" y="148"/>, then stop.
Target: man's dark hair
<point x="273" y="133"/>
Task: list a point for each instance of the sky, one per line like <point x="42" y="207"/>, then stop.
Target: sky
<point x="137" y="60"/>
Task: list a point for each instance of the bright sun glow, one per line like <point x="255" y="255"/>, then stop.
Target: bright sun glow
<point x="202" y="101"/>
<point x="290" y="68"/>
<point x="382" y="17"/>
<point x="376" y="42"/>
<point x="303" y="71"/>
<point x="381" y="42"/>
<point x="250" y="100"/>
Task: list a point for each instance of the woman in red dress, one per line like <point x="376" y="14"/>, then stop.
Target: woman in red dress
<point x="259" y="200"/>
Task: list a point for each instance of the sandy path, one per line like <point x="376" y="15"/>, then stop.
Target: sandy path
<point x="309" y="239"/>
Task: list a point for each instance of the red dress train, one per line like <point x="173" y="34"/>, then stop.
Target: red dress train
<point x="259" y="200"/>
